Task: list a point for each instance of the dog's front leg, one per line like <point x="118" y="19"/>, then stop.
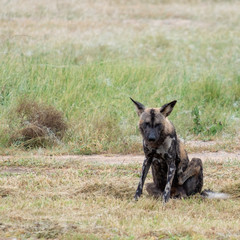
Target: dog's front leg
<point x="170" y="176"/>
<point x="146" y="165"/>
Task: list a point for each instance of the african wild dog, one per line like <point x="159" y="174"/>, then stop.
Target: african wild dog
<point x="173" y="174"/>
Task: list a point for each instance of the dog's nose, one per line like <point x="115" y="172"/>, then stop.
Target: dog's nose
<point x="151" y="137"/>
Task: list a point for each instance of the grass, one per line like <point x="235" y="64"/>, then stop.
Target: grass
<point x="48" y="198"/>
<point x="87" y="58"/>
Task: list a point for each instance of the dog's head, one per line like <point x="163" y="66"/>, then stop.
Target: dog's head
<point x="153" y="124"/>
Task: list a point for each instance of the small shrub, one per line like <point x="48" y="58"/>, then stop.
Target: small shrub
<point x="197" y="127"/>
<point x="215" y="128"/>
<point x="205" y="128"/>
<point x="39" y="124"/>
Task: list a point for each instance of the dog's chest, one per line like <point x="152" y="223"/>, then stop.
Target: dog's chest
<point x="159" y="160"/>
<point x="159" y="165"/>
<point x="159" y="172"/>
<point x="160" y="153"/>
<point x="165" y="147"/>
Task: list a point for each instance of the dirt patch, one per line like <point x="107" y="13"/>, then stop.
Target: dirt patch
<point x="14" y="170"/>
<point x="219" y="156"/>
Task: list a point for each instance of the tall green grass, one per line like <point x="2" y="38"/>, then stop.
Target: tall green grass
<point x="92" y="84"/>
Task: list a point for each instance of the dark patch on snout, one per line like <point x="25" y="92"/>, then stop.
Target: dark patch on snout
<point x="152" y="132"/>
<point x="152" y="136"/>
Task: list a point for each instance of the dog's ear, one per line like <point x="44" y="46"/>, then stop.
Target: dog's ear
<point x="140" y="107"/>
<point x="167" y="108"/>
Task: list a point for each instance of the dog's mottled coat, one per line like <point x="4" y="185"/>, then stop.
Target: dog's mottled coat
<point x="173" y="174"/>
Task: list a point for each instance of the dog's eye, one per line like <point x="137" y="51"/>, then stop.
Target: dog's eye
<point x="157" y="125"/>
<point x="147" y="124"/>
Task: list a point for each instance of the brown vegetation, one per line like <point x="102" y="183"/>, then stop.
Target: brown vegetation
<point x="39" y="124"/>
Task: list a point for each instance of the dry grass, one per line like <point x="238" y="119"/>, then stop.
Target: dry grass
<point x="234" y="190"/>
<point x="52" y="199"/>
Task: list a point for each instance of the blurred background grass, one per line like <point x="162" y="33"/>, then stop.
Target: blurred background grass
<point x="86" y="58"/>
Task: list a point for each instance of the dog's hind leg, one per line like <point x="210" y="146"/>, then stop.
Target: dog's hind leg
<point x="178" y="192"/>
<point x="192" y="177"/>
<point x="194" y="184"/>
<point x="153" y="190"/>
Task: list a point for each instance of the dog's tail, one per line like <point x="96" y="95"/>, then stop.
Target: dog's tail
<point x="214" y="195"/>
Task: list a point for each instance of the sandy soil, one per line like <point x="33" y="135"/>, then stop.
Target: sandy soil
<point x="219" y="156"/>
<point x="128" y="159"/>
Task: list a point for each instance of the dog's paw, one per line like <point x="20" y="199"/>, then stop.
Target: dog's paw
<point x="166" y="197"/>
<point x="138" y="194"/>
<point x="136" y="197"/>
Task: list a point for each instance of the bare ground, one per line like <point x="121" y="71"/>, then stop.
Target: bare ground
<point x="220" y="156"/>
<point x="109" y="159"/>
